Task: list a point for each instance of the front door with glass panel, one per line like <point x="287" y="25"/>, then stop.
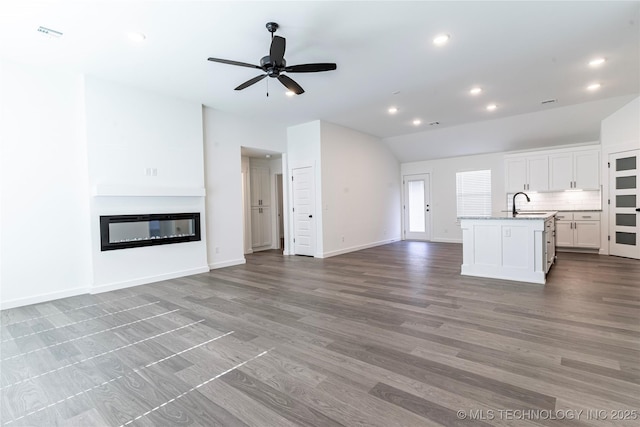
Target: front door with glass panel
<point x="624" y="207"/>
<point x="417" y="210"/>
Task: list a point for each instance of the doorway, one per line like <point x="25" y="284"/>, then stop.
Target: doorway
<point x="417" y="207"/>
<point x="304" y="225"/>
<point x="279" y="212"/>
<point x="624" y="205"/>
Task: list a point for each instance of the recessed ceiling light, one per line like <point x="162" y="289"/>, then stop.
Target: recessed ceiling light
<point x="594" y="86"/>
<point x="441" y="39"/>
<point x="597" y="61"/>
<point x="290" y="93"/>
<point x="268" y="156"/>
<point x="491" y="107"/>
<point x="137" y="37"/>
<point x="392" y="110"/>
<point x="417" y="122"/>
<point x="475" y="91"/>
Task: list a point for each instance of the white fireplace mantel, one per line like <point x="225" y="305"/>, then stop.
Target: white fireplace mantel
<point x="114" y="190"/>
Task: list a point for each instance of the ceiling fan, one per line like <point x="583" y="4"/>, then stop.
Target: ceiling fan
<point x="274" y="64"/>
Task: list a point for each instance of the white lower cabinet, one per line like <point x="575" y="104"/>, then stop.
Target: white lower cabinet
<point x="260" y="227"/>
<point x="578" y="230"/>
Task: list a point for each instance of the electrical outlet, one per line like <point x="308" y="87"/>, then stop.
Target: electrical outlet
<point x="507" y="232"/>
<point x="217" y="250"/>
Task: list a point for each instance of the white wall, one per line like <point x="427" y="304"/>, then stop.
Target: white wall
<point x="45" y="243"/>
<point x="224" y="135"/>
<point x="623" y="126"/>
<point x="129" y="131"/>
<point x="444" y="224"/>
<point x="303" y="150"/>
<point x="357" y="186"/>
<point x="360" y="191"/>
<point x="619" y="132"/>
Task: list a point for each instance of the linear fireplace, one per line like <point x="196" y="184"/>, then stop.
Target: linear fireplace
<point x="132" y="231"/>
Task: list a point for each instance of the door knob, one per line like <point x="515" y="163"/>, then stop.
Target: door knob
<point x="637" y="209"/>
<point x="310" y="216"/>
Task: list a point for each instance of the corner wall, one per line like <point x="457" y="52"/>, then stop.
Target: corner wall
<point x="130" y="131"/>
<point x="618" y="132"/>
<point x="44" y="215"/>
<point x="224" y="135"/>
<point x="361" y="191"/>
<point x="444" y="222"/>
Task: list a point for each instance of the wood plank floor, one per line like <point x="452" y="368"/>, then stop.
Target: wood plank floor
<point x="388" y="336"/>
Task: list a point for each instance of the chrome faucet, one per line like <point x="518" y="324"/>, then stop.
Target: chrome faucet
<point x="514" y="201"/>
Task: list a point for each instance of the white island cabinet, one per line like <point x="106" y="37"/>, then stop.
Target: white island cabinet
<point x="501" y="246"/>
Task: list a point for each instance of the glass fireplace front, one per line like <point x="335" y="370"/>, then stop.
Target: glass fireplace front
<point x="131" y="231"/>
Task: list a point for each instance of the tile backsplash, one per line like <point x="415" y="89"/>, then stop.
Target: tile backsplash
<point x="558" y="201"/>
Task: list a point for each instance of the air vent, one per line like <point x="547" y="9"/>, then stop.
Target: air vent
<point x="49" y="32"/>
<point x="548" y="101"/>
<point x="434" y="123"/>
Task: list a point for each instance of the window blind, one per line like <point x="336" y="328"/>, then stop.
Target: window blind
<point x="473" y="193"/>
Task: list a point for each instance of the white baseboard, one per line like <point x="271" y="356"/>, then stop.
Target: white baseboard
<point x="146" y="280"/>
<point x="231" y="263"/>
<point x="446" y="240"/>
<point x="357" y="248"/>
<point x="36" y="299"/>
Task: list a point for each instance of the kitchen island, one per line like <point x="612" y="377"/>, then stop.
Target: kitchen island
<point x="505" y="246"/>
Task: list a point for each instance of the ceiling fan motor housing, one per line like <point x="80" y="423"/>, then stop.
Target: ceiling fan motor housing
<point x="270" y="68"/>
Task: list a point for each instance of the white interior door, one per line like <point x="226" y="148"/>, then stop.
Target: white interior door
<point x="417" y="209"/>
<point x="304" y="229"/>
<point x="624" y="207"/>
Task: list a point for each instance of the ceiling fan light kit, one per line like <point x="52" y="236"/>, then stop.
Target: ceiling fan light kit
<point x="274" y="64"/>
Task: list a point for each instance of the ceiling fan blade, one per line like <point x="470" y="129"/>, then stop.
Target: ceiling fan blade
<point x="276" y="53"/>
<point x="290" y="84"/>
<point x="227" y="61"/>
<point x="310" y="68"/>
<point x="254" y="80"/>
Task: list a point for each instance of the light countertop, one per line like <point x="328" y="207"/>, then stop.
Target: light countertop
<point x="538" y="215"/>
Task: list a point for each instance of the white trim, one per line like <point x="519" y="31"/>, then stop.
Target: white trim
<point x="36" y="299"/>
<point x="129" y="191"/>
<point x="446" y="240"/>
<point x="231" y="263"/>
<point x="607" y="150"/>
<point x="358" y="248"/>
<point x="530" y="277"/>
<point x="146" y="280"/>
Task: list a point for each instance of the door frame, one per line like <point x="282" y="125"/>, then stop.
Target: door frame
<point x="610" y="225"/>
<point x="279" y="208"/>
<point x="289" y="218"/>
<point x="429" y="220"/>
<point x="604" y="183"/>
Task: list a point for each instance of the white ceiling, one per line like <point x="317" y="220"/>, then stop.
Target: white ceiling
<point x="520" y="53"/>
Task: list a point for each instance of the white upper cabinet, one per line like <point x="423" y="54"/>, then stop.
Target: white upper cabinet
<point x="586" y="169"/>
<point x="260" y="187"/>
<point x="527" y="173"/>
<point x="575" y="170"/>
<point x="553" y="170"/>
